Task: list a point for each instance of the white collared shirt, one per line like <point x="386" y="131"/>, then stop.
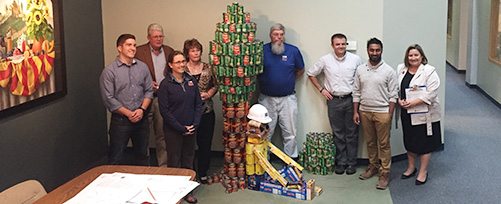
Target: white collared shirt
<point x="339" y="72"/>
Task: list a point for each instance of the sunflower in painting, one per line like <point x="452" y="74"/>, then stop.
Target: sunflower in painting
<point x="37" y="24"/>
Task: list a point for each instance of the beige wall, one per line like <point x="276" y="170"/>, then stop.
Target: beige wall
<point x="309" y="25"/>
<point x="489" y="73"/>
<point x="453" y="41"/>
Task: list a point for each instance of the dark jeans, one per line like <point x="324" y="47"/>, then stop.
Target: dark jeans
<point x="204" y="141"/>
<point x="121" y="130"/>
<point x="345" y="132"/>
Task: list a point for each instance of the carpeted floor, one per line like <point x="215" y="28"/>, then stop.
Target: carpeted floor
<point x="337" y="189"/>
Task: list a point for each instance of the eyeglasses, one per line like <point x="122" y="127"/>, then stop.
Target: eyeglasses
<point x="180" y="62"/>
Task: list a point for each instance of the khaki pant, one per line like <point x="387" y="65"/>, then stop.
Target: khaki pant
<point x="376" y="131"/>
<point x="156" y="125"/>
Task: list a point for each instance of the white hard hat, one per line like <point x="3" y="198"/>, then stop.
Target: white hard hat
<point x="259" y="113"/>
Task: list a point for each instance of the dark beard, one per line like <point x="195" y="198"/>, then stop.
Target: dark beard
<point x="277" y="48"/>
<point x="374" y="59"/>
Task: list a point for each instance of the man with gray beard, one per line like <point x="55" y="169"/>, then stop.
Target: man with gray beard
<point x="283" y="64"/>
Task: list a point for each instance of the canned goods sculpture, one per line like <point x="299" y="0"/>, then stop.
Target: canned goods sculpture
<point x="317" y="155"/>
<point x="237" y="58"/>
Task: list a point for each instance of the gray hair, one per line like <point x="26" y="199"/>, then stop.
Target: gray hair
<point x="155" y="27"/>
<point x="277" y="26"/>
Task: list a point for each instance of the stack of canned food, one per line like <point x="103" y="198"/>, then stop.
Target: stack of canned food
<point x="236" y="55"/>
<point x="317" y="155"/>
<point x="237" y="58"/>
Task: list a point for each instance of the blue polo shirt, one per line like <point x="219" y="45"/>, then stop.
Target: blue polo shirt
<point x="279" y="75"/>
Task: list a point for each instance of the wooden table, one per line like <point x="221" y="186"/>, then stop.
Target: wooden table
<point x="73" y="187"/>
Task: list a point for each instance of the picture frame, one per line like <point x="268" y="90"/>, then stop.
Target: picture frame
<point x="32" y="58"/>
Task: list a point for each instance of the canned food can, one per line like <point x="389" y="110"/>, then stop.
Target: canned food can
<point x="213" y="47"/>
<point x="245" y="27"/>
<point x="253" y="26"/>
<point x="233" y="36"/>
<point x="249" y="159"/>
<point x="217" y="36"/>
<point x="226" y="17"/>
<point x="238" y="61"/>
<point x="249" y="169"/>
<point x="240" y="10"/>
<point x="258" y="59"/>
<point x="232" y="28"/>
<point x="237" y="38"/>
<point x="224" y="49"/>
<point x="247" y="18"/>
<point x="245" y="49"/>
<point x="234" y="7"/>
<point x="246" y="60"/>
<point x="233" y="18"/>
<point x="243" y="37"/>
<point x="219" y="26"/>
<point x="228" y="61"/>
<point x="239" y="28"/>
<point x="226" y="37"/>
<point x="259" y="170"/>
<point x="220" y="71"/>
<point x="251" y="36"/>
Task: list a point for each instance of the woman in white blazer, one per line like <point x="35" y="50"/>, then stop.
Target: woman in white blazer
<point x="420" y="111"/>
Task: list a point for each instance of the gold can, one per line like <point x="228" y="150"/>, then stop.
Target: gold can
<point x="258" y="169"/>
<point x="249" y="169"/>
<point x="250" y="158"/>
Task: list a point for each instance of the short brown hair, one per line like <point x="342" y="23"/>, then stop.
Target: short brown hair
<point x="122" y="38"/>
<point x="170" y="59"/>
<point x="189" y="44"/>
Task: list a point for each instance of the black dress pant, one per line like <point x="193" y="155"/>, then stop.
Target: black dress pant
<point x="204" y="141"/>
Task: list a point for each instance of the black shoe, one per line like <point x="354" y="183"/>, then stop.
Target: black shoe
<point x="403" y="176"/>
<point x="418" y="182"/>
<point x="351" y="170"/>
<point x="339" y="169"/>
<point x="204" y="180"/>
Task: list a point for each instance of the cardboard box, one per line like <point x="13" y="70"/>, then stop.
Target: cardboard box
<point x="305" y="193"/>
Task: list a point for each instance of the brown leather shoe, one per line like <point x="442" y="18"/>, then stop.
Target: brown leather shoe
<point x="369" y="172"/>
<point x="383" y="181"/>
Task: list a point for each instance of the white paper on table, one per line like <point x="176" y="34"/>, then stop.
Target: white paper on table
<point x="123" y="188"/>
<point x="413" y="93"/>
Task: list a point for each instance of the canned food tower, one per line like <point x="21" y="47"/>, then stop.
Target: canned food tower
<point x="237" y="59"/>
<point x="261" y="175"/>
<point x="318" y="153"/>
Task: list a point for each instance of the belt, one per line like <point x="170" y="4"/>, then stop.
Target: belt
<point x="342" y="96"/>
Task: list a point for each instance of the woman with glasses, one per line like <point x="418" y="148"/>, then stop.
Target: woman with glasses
<point x="208" y="88"/>
<point x="181" y="107"/>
